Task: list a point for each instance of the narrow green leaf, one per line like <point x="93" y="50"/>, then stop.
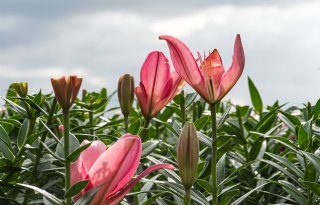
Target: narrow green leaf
<point x="255" y="148"/>
<point x="22" y="135"/>
<point x="73" y="145"/>
<point x="17" y="107"/>
<point x="316" y="110"/>
<point x="76" y="188"/>
<point x="223" y="118"/>
<point x="228" y="196"/>
<point x="204" y="139"/>
<point x="205" y="185"/>
<point x="287" y="164"/>
<point x="149" y="147"/>
<point x="285" y="142"/>
<point x="283" y="170"/>
<point x="167" y="125"/>
<point x="243" y="197"/>
<point x="315" y="187"/>
<point x="221" y="171"/>
<point x="5" y="144"/>
<point x="134" y="127"/>
<point x="154" y="197"/>
<point x="13" y="122"/>
<point x="75" y="154"/>
<point x="48" y="196"/>
<point x="314" y="159"/>
<point x="255" y="97"/>
<point x="292" y="190"/>
<point x="303" y="139"/>
<point x="202" y="121"/>
<point x="87" y="197"/>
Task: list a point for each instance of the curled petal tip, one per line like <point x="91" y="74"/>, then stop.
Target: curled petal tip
<point x="170" y="166"/>
<point x="162" y="37"/>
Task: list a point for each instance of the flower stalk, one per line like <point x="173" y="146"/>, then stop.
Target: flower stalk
<point x="66" y="123"/>
<point x="214" y="154"/>
<point x="66" y="90"/>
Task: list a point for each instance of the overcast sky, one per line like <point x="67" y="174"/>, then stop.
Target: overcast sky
<point x="101" y="40"/>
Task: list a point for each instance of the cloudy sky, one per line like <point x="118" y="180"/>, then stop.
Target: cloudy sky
<point x="101" y="40"/>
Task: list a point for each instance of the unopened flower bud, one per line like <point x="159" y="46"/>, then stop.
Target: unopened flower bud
<point x="61" y="128"/>
<point x="66" y="90"/>
<point x="188" y="154"/>
<point x="21" y="88"/>
<point x="126" y="93"/>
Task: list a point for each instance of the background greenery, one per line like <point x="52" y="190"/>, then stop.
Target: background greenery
<point x="268" y="154"/>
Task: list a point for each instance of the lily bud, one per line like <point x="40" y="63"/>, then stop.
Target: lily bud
<point x="188" y="154"/>
<point x="126" y="93"/>
<point x="66" y="90"/>
<point x="21" y="88"/>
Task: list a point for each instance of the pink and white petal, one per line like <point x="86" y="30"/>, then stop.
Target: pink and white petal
<point x="230" y="78"/>
<point x="116" y="166"/>
<point x="117" y="197"/>
<point x="184" y="62"/>
<point x="91" y="154"/>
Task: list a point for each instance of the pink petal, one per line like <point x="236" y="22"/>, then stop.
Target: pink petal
<point x="91" y="154"/>
<point x="177" y="86"/>
<point x="184" y="63"/>
<point x="116" y="166"/>
<point x="155" y="73"/>
<point x="142" y="98"/>
<point x="230" y="78"/>
<point x="80" y="168"/>
<point x="78" y="173"/>
<point x="156" y="79"/>
<point x="117" y="197"/>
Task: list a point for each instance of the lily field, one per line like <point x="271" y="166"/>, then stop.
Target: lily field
<point x="160" y="144"/>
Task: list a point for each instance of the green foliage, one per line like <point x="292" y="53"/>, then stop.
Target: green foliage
<point x="266" y="154"/>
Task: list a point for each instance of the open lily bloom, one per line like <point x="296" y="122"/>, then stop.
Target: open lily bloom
<point x="207" y="76"/>
<point x="112" y="169"/>
<point x="158" y="86"/>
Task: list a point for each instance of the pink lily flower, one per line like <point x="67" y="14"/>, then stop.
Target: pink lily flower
<point x="207" y="76"/>
<point x="111" y="168"/>
<point x="158" y="86"/>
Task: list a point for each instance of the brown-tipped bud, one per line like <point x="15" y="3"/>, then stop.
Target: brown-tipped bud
<point x="188" y="154"/>
<point x="21" y="88"/>
<point x="126" y="93"/>
<point x="66" y="90"/>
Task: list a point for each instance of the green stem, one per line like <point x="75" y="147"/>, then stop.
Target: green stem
<point x="194" y="111"/>
<point x="309" y="197"/>
<point x="126" y="123"/>
<point x="183" y="109"/>
<point x="33" y="176"/>
<point x="91" y="130"/>
<point x="145" y="130"/>
<point x="66" y="123"/>
<point x="187" y="197"/>
<point x="309" y="193"/>
<point x="214" y="155"/>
